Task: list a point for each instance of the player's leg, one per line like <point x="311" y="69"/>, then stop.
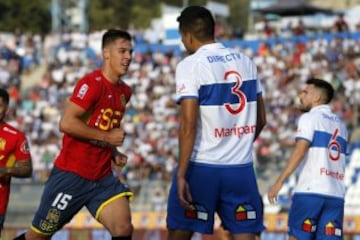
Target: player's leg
<point x="116" y="218"/>
<point x="226" y="235"/>
<point x="303" y="216"/>
<point x="179" y="235"/>
<point x="64" y="195"/>
<point x="223" y="234"/>
<point x="2" y="220"/>
<point x="330" y="225"/>
<point x="240" y="205"/>
<point x="203" y="183"/>
<point x="111" y="207"/>
<point x="32" y="235"/>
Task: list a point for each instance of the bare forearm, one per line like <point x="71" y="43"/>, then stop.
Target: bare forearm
<point x="19" y="172"/>
<point x="294" y="160"/>
<point x="186" y="141"/>
<point x="288" y="170"/>
<point x="260" y="117"/>
<point x="259" y="128"/>
<point x="187" y="133"/>
<point x="77" y="128"/>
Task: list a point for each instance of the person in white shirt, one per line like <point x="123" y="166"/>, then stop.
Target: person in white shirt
<point x="222" y="113"/>
<point x="317" y="208"/>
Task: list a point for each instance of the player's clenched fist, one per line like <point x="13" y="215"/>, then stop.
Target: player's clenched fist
<point x="115" y="137"/>
<point x="119" y="159"/>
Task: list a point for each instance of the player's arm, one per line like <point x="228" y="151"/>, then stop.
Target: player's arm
<point x="261" y="116"/>
<point x="301" y="147"/>
<point x="22" y="169"/>
<point x="119" y="159"/>
<point x="72" y="124"/>
<point x="187" y="133"/>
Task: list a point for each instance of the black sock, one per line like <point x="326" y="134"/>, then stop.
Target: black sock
<point x="117" y="238"/>
<point x="21" y="237"/>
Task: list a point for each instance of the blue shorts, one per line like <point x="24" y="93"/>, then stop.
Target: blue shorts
<point x="66" y="193"/>
<point x="230" y="191"/>
<point x="314" y="216"/>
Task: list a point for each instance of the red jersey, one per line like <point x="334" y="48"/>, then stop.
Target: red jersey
<point x="104" y="103"/>
<point x="13" y="147"/>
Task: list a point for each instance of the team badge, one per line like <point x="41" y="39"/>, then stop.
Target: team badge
<point x="245" y="212"/>
<point x="182" y="89"/>
<point x="25" y="147"/>
<point x="308" y="225"/>
<point x="332" y="230"/>
<point x="50" y="223"/>
<point x="53" y="216"/>
<point x="197" y="212"/>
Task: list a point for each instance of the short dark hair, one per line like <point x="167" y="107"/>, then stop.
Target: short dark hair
<point x="198" y="21"/>
<point x="113" y="34"/>
<point x="5" y="96"/>
<point x="325" y="86"/>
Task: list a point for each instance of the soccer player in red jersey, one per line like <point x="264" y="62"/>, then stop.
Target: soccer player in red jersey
<point x="82" y="174"/>
<point x="15" y="158"/>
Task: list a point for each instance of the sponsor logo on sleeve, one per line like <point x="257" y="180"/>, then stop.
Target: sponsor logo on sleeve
<point x="82" y="91"/>
<point x="182" y="89"/>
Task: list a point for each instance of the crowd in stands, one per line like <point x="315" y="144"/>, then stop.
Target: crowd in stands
<point x="151" y="119"/>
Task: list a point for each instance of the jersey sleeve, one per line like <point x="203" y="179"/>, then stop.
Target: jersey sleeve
<point x="22" y="151"/>
<point x="128" y="92"/>
<point x="186" y="85"/>
<point x="86" y="92"/>
<point x="305" y="128"/>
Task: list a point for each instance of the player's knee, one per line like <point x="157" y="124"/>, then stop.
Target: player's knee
<point x="31" y="236"/>
<point x="20" y="237"/>
<point x="122" y="229"/>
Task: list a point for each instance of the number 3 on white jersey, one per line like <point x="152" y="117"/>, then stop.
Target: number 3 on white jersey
<point x="235" y="91"/>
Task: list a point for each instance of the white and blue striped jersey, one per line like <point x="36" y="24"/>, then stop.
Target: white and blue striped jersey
<point x="323" y="168"/>
<point x="226" y="85"/>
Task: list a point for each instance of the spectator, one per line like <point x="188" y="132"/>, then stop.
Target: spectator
<point x="340" y="24"/>
<point x="267" y="29"/>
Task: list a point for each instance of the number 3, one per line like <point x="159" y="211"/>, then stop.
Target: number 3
<point x="235" y="90"/>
